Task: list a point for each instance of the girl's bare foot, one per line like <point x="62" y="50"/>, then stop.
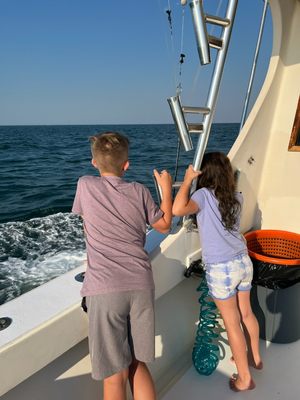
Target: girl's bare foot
<point x="237" y="385"/>
<point x="252" y="363"/>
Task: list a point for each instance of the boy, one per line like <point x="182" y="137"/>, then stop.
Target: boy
<point x="118" y="283"/>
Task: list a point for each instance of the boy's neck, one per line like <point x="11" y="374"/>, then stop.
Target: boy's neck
<point x="110" y="174"/>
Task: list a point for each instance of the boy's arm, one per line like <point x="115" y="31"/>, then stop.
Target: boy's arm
<point x="77" y="207"/>
<point x="165" y="181"/>
<point x="183" y="205"/>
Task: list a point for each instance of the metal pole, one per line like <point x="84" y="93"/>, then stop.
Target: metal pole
<point x="258" y="44"/>
<point x="214" y="87"/>
<point x="200" y="31"/>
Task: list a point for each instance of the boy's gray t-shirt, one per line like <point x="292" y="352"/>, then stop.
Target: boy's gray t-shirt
<point x="115" y="215"/>
<point x="218" y="244"/>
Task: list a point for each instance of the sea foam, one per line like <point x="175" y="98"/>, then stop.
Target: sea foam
<point x="35" y="251"/>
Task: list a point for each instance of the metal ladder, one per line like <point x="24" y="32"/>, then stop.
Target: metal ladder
<point x="204" y="43"/>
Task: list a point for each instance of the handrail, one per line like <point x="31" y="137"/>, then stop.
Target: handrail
<point x="258" y="44"/>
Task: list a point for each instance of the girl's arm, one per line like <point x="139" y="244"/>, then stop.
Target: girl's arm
<point x="183" y="205"/>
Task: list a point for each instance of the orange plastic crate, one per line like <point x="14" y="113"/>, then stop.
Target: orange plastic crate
<point x="274" y="246"/>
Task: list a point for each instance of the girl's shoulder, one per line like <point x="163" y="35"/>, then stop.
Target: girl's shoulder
<point x="207" y="193"/>
<point x="203" y="190"/>
<point x="201" y="196"/>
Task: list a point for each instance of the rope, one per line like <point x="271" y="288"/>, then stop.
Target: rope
<point x="205" y="353"/>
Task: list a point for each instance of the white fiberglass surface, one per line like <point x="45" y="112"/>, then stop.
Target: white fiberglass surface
<point x="279" y="380"/>
<point x="42" y="249"/>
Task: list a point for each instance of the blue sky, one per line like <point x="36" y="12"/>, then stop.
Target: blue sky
<point x="114" y="62"/>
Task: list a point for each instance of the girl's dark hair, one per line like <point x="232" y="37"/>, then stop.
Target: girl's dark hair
<point x="217" y="175"/>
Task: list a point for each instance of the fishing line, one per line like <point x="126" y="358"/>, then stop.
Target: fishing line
<point x="169" y="14"/>
<point x="169" y="39"/>
<point x="178" y="75"/>
<point x="182" y="55"/>
<point x="179" y="91"/>
<point x="177" y="162"/>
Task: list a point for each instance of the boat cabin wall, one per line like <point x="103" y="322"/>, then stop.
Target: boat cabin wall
<point x="269" y="172"/>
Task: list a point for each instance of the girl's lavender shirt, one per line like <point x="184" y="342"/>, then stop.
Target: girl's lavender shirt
<point x="218" y="243"/>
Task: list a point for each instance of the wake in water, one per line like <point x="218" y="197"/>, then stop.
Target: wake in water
<point x="35" y="251"/>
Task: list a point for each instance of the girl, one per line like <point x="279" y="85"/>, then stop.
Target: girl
<point x="224" y="253"/>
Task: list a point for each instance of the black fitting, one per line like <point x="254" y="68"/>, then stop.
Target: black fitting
<point x="80" y="277"/>
<point x="196" y="267"/>
<point x="5" y="322"/>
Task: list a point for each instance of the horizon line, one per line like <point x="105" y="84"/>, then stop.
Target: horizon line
<point x="109" y="124"/>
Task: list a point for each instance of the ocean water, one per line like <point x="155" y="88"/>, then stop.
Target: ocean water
<point x="39" y="167"/>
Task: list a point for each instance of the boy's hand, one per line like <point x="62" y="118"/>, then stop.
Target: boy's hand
<point x="164" y="179"/>
<point x="191" y="174"/>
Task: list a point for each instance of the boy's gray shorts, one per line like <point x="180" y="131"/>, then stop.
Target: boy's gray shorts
<point x="121" y="327"/>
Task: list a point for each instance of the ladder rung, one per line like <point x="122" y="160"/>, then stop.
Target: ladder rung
<point x="215" y="42"/>
<point x="195" y="128"/>
<point x="195" y="110"/>
<point x="212" y="19"/>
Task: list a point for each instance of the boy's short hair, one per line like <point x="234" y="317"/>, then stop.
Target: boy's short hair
<point x="110" y="151"/>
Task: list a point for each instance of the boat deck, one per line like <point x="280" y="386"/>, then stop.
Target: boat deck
<point x="279" y="380"/>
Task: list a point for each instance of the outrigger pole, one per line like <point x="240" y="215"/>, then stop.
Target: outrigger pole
<point x="204" y="43"/>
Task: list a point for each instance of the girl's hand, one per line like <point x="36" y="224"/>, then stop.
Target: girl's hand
<point x="191" y="174"/>
<point x="164" y="179"/>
